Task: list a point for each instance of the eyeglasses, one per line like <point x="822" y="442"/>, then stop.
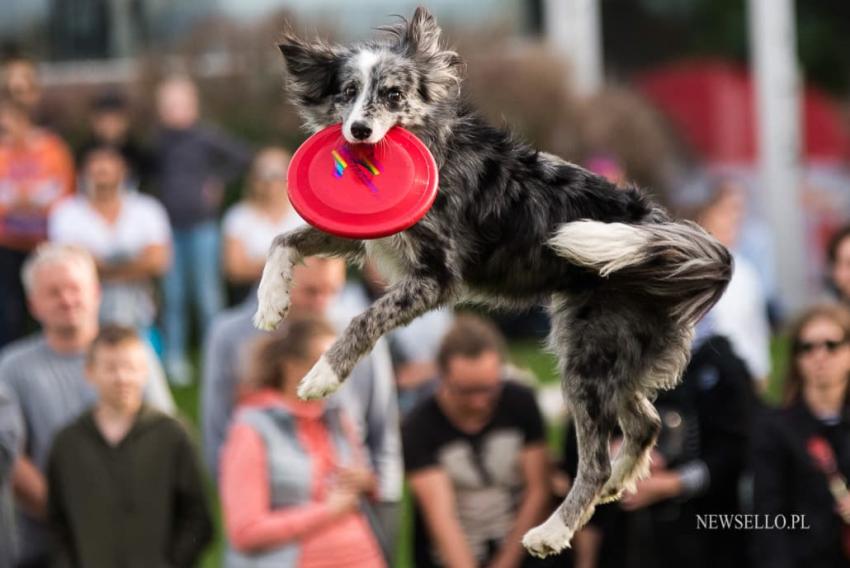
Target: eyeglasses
<point x="807" y="347"/>
<point x="473" y="391"/>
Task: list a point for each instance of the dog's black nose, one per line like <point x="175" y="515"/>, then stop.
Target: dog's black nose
<point x="360" y="131"/>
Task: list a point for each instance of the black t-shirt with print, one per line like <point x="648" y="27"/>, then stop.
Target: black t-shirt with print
<point x="484" y="467"/>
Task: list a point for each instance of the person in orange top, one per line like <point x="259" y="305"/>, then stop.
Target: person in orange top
<point x="36" y="171"/>
<point x="295" y="491"/>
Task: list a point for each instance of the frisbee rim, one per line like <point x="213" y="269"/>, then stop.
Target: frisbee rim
<point x="357" y="225"/>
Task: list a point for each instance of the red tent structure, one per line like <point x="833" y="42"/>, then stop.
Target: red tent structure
<point x="712" y="105"/>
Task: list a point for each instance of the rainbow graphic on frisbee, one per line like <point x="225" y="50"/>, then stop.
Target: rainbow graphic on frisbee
<point x="363" y="166"/>
<point x="339" y="164"/>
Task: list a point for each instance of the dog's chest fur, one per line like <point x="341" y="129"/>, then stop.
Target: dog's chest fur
<point x="394" y="256"/>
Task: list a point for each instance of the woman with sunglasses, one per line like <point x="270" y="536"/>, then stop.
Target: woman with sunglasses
<point x="801" y="459"/>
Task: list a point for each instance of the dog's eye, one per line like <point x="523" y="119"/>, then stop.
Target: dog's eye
<point x="394" y="96"/>
<point x="350" y="92"/>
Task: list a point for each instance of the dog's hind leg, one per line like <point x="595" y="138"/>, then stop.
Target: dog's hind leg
<point x="595" y="420"/>
<point x="286" y="250"/>
<point x="587" y="347"/>
<point x="637" y="416"/>
<point x="640" y="424"/>
<point x="600" y="344"/>
<point x="403" y="302"/>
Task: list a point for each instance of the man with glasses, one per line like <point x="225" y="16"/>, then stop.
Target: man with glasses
<point x="475" y="456"/>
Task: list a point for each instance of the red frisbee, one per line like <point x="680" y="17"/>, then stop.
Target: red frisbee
<point x="362" y="191"/>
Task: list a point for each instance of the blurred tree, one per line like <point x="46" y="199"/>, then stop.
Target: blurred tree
<point x="824" y="44"/>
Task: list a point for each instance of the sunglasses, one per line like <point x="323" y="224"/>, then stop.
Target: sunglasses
<point x="806" y="347"/>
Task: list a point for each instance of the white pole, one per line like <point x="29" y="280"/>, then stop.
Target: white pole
<point x="573" y="28"/>
<point x="773" y="51"/>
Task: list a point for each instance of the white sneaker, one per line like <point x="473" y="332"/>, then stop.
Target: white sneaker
<point x="179" y="372"/>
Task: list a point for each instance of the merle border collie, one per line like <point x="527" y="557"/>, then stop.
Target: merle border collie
<point x="511" y="227"/>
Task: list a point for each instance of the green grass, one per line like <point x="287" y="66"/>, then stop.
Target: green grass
<point x="779" y="354"/>
<point x="188" y="400"/>
<point x="530" y="355"/>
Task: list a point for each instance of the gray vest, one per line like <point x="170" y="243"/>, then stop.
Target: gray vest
<point x="290" y="473"/>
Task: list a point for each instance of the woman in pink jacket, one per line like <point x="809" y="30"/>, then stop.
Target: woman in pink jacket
<point x="294" y="485"/>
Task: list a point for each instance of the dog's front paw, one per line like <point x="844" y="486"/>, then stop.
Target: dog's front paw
<point x="320" y="382"/>
<point x="551" y="537"/>
<point x="273" y="292"/>
<point x="272" y="302"/>
<point x="272" y="308"/>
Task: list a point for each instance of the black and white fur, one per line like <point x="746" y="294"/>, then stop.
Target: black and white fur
<point x="511" y="227"/>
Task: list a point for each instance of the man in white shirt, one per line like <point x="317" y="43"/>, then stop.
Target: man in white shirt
<point x="127" y="233"/>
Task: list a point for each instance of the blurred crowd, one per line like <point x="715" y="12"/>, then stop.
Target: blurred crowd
<point x="118" y="258"/>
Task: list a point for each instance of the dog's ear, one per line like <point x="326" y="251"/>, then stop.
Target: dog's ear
<point x="423" y="44"/>
<point x="423" y="33"/>
<point x="312" y="68"/>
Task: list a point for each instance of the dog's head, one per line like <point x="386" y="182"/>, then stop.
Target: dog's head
<point x="405" y="80"/>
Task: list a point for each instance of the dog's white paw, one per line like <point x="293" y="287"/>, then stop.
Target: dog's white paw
<point x="320" y="382"/>
<point x="614" y="489"/>
<point x="551" y="537"/>
<point x="624" y="479"/>
<point x="273" y="292"/>
<point x="272" y="307"/>
<point x="610" y="494"/>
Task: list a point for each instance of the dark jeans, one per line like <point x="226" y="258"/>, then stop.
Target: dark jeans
<point x="40" y="563"/>
<point x="193" y="277"/>
<point x="13" y="305"/>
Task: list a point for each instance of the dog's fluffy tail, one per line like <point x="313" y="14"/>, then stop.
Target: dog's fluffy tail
<point x="679" y="261"/>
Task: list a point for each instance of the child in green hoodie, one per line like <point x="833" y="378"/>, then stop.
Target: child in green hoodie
<point x="124" y="483"/>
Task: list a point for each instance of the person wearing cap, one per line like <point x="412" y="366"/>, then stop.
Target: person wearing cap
<point x="110" y="125"/>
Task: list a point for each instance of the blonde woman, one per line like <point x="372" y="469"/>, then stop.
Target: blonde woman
<point x="250" y="226"/>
